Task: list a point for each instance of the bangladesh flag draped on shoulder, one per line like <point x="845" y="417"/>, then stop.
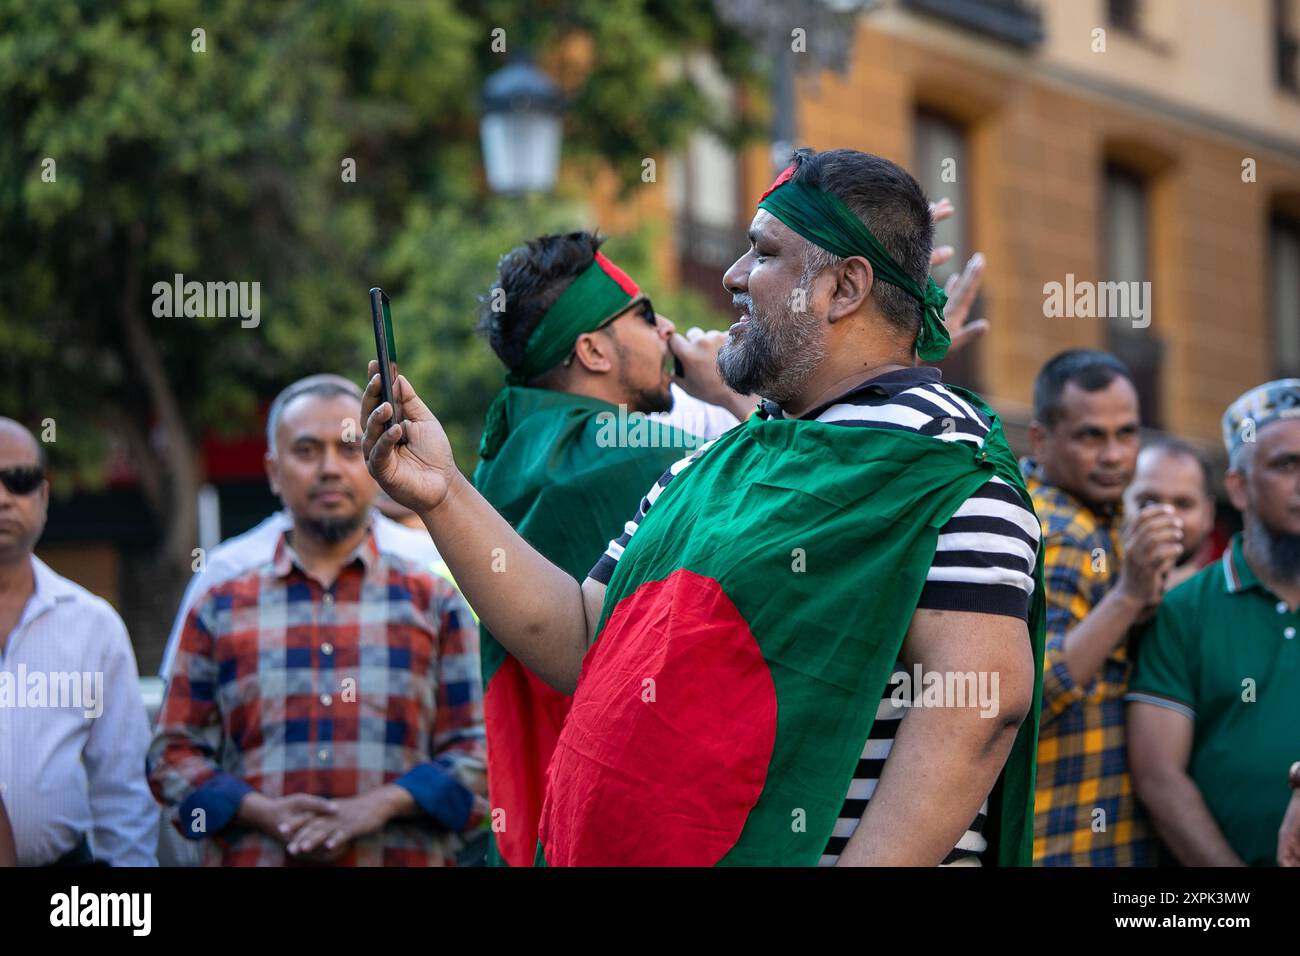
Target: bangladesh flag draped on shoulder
<point x="568" y="474"/>
<point x="746" y="640"/>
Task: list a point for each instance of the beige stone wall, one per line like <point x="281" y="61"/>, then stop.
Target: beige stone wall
<point x="1213" y="56"/>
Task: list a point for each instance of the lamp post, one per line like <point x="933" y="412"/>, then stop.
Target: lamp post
<point x="768" y="25"/>
<point x="520" y="129"/>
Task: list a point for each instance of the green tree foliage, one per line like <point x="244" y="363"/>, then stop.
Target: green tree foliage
<point x="219" y="155"/>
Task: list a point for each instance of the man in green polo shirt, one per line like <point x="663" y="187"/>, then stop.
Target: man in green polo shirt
<point x="1214" y="705"/>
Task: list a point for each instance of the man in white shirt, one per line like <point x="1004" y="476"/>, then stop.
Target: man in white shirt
<point x="73" y="733"/>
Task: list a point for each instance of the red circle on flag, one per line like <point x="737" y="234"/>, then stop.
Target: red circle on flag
<point x="667" y="745"/>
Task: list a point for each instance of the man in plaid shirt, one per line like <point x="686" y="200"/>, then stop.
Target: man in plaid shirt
<point x="326" y="706"/>
<point x="1085" y="440"/>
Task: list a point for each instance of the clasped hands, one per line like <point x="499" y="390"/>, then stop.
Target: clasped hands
<point x="319" y="830"/>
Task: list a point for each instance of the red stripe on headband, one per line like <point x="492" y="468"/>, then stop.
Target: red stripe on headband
<point x="618" y="275"/>
<point x="780" y="180"/>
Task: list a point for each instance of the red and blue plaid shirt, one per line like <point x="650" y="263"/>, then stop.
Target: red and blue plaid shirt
<point x="284" y="686"/>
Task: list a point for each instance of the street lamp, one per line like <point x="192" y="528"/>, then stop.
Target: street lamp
<point x="520" y="130"/>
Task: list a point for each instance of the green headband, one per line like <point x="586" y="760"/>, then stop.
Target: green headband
<point x="822" y="218"/>
<point x="598" y="294"/>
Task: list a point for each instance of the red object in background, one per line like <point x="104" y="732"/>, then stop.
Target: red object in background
<point x="238" y="458"/>
<point x="1218" y="543"/>
<point x="119" y="470"/>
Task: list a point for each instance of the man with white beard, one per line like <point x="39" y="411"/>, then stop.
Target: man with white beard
<point x="1215" y="700"/>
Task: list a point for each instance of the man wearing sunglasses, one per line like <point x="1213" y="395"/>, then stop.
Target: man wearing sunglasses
<point x="73" y="732"/>
<point x="591" y="414"/>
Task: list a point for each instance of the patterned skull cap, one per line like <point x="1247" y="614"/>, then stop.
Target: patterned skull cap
<point x="1260" y="406"/>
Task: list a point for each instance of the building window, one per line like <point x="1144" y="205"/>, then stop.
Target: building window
<point x="1125" y="15"/>
<point x="941" y="166"/>
<point x="704" y="201"/>
<point x="1284" y="261"/>
<point x="704" y="193"/>
<point x="1286" y="29"/>
<point x="1124" y="258"/>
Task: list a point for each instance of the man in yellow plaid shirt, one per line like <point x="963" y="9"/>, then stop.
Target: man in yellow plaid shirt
<point x="1085" y="442"/>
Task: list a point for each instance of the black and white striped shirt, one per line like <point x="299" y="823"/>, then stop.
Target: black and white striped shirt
<point x="983" y="562"/>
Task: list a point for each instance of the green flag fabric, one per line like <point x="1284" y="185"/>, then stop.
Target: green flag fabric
<point x="593" y="299"/>
<point x="747" y="637"/>
<point x="567" y="474"/>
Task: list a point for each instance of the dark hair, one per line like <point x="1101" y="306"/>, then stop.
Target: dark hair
<point x="1176" y="446"/>
<point x="892" y="205"/>
<point x="532" y="277"/>
<point x="1089" y="369"/>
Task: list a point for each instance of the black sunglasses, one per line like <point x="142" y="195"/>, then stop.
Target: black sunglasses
<point x="647" y="313"/>
<point x="22" y="479"/>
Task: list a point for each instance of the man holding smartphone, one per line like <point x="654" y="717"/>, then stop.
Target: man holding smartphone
<point x="572" y="446"/>
<point x="744" y="626"/>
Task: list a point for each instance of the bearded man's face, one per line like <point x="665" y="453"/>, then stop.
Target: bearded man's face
<point x="776" y="344"/>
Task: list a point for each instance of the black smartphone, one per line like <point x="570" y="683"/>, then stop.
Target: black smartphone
<point x="385" y="348"/>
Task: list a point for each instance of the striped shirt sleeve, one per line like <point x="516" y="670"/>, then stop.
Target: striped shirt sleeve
<point x="984" y="559"/>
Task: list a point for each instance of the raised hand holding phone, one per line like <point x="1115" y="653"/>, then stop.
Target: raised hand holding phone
<point x="385" y="349"/>
<point x="411" y="459"/>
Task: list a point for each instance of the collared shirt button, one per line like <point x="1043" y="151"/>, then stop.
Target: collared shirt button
<point x="328" y="598"/>
<point x="1281" y="607"/>
<point x="327" y="648"/>
<point x="1289" y="633"/>
<point x="326" y="699"/>
<point x="323" y="754"/>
